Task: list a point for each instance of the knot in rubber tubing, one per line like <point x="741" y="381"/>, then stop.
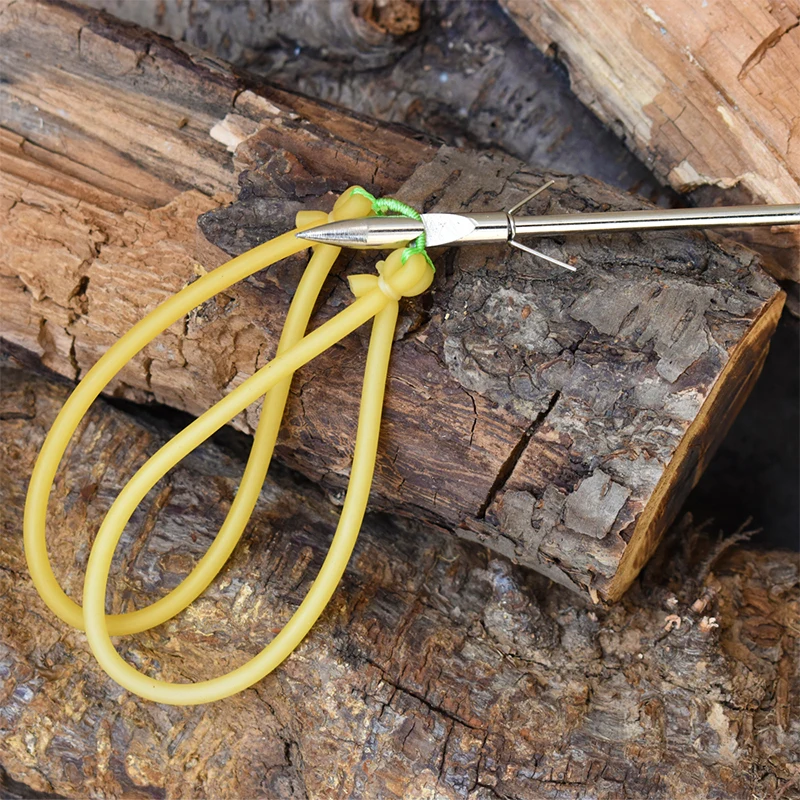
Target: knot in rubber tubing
<point x="396" y="278"/>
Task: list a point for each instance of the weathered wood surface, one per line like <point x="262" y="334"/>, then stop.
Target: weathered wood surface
<point x="439" y="670"/>
<point x="475" y="78"/>
<point x="464" y="77"/>
<point x="469" y="77"/>
<point x="564" y="419"/>
<point x="707" y="94"/>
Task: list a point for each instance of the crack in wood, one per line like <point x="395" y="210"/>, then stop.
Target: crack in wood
<point x="507" y="468"/>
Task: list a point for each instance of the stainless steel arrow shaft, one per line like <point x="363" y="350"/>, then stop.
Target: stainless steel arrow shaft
<point x="459" y="229"/>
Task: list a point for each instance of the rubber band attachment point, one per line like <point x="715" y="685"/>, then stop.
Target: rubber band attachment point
<point x="383" y="206"/>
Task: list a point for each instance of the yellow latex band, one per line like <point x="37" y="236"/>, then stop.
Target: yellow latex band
<point x="376" y="297"/>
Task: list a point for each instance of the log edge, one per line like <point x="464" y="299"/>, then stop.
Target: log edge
<point x="692" y="455"/>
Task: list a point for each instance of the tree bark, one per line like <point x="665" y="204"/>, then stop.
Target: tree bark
<point x="460" y="76"/>
<point x="708" y="96"/>
<point x="438" y="670"/>
<point x="559" y="420"/>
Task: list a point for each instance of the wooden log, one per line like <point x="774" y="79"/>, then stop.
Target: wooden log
<point x="558" y="420"/>
<point x="462" y="76"/>
<point x="707" y="94"/>
<point x="241" y="30"/>
<point x="438" y="670"/>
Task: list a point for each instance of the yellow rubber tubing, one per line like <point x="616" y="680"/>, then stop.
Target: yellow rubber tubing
<point x="377" y="297"/>
<point x="323" y="586"/>
<point x="115" y="359"/>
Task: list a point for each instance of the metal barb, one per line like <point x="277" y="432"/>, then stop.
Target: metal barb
<point x="539" y="254"/>
<point x="525" y="200"/>
<point x="512" y="227"/>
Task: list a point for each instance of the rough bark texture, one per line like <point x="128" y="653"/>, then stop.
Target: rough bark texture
<point x="475" y="78"/>
<point x="559" y="420"/>
<point x="707" y="97"/>
<point x="438" y="671"/>
<point x="707" y="94"/>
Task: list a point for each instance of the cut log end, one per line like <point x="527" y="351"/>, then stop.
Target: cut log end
<point x="697" y="447"/>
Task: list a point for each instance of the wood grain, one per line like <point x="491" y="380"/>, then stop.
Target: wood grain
<point x="706" y="93"/>
<point x="558" y="420"/>
<point x="462" y="77"/>
<point x="439" y="670"/>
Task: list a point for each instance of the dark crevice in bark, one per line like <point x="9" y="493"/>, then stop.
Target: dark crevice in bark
<point x="505" y="471"/>
<point x="16" y="790"/>
<point x="422" y="699"/>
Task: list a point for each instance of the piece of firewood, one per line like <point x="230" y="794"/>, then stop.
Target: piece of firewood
<point x="707" y="94"/>
<point x="559" y="419"/>
<point x="465" y="77"/>
<point x="437" y="671"/>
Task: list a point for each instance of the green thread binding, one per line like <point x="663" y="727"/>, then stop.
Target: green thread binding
<point x="389" y="205"/>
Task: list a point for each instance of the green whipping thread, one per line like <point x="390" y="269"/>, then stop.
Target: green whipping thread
<point x="389" y="205"/>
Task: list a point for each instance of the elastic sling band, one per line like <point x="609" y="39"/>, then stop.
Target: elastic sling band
<point x="376" y="297"/>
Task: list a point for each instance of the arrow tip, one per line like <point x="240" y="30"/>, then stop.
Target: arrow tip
<point x="334" y="233"/>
